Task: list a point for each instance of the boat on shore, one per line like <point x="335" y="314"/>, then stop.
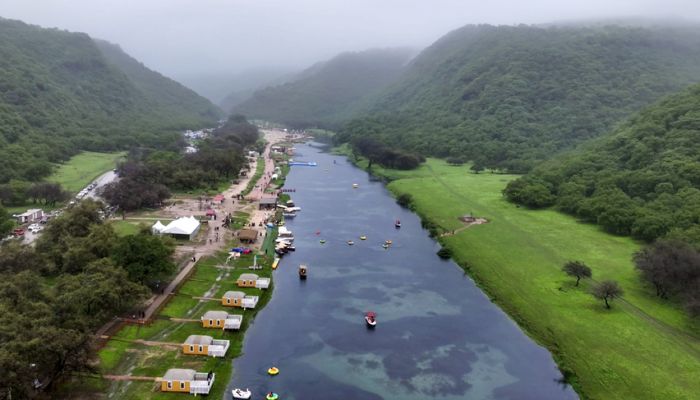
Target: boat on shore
<point x="241" y="394"/>
<point x="371" y="319"/>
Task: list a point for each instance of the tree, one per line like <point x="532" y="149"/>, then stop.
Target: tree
<point x="146" y="258"/>
<point x="404" y="200"/>
<point x="16" y="257"/>
<point x="444" y="253"/>
<point x="577" y="269"/>
<point x="607" y="291"/>
<point x="6" y="224"/>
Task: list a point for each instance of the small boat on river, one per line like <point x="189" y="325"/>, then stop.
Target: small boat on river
<point x="350" y="242"/>
<point x="397" y="224"/>
<point x="355" y="186"/>
<point x="302" y="271"/>
<point x="371" y="319"/>
<point x="241" y="394"/>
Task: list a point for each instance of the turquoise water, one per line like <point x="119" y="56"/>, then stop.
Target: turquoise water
<point x="438" y="335"/>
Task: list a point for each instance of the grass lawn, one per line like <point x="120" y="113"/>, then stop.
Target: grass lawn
<point x="83" y="168"/>
<point x="126" y="227"/>
<point x="644" y="348"/>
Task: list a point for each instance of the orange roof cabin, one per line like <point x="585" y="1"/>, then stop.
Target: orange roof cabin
<point x="202" y="345"/>
<point x="222" y="320"/>
<point x="252" y="280"/>
<point x="187" y="381"/>
<point x="234" y="298"/>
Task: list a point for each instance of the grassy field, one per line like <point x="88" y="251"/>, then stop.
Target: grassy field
<point x="83" y="168"/>
<point x="644" y="348"/>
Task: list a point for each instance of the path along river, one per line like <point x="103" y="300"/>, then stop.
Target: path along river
<point x="438" y="335"/>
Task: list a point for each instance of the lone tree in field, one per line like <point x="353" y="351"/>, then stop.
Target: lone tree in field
<point x="577" y="269"/>
<point x="607" y="291"/>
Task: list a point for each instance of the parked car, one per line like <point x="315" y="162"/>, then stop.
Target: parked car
<point x="18" y="232"/>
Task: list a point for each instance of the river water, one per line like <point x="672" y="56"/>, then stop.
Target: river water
<point x="438" y="336"/>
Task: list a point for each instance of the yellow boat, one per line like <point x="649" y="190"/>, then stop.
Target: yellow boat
<point x="275" y="263"/>
<point x="363" y="237"/>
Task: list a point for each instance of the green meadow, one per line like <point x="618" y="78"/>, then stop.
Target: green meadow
<point x="643" y="348"/>
<point x="83" y="168"/>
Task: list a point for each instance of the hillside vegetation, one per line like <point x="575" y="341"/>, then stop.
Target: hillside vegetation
<point x="508" y="97"/>
<point x="329" y="92"/>
<point x="61" y="92"/>
<point x="642" y="179"/>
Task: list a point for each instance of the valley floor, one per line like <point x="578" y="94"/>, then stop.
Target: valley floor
<point x="643" y="348"/>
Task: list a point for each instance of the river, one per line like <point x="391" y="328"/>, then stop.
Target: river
<point x="438" y="336"/>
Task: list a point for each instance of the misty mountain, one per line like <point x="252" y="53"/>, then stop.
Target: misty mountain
<point x="641" y="179"/>
<point x="508" y="97"/>
<point x="330" y="91"/>
<point x="219" y="86"/>
<point x="62" y="92"/>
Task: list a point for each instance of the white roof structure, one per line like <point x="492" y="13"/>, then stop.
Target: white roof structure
<point x="157" y="228"/>
<point x="181" y="226"/>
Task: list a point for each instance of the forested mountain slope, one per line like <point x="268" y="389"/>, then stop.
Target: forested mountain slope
<point x="508" y="97"/>
<point x="329" y="92"/>
<point x="642" y="179"/>
<point x="60" y="94"/>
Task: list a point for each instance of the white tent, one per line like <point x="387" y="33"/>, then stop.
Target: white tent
<point x="180" y="228"/>
<point x="157" y="228"/>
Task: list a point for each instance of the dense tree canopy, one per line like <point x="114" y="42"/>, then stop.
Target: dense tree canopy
<point x="509" y="97"/>
<point x="643" y="179"/>
<point x="147" y="177"/>
<point x="53" y="297"/>
<point x="61" y="92"/>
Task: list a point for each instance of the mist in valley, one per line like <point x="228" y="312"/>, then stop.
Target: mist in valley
<point x="231" y="47"/>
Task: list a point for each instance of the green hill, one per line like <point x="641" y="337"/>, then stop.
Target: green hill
<point x="508" y="97"/>
<point x="642" y="179"/>
<point x="328" y="92"/>
<point x="61" y="93"/>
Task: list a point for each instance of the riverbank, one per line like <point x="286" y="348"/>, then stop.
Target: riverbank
<point x="642" y="348"/>
<point x="139" y="354"/>
<point x="438" y="336"/>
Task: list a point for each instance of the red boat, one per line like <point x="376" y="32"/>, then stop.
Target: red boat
<point x="371" y="319"/>
<point x="397" y="224"/>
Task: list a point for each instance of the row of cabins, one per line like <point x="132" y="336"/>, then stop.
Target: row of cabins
<point x="188" y="380"/>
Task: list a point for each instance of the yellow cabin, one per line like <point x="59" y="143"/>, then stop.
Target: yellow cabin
<point x="252" y="281"/>
<point x="247" y="280"/>
<point x="205" y="346"/>
<point x="187" y="381"/>
<point x="221" y="320"/>
<point x="234" y="298"/>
